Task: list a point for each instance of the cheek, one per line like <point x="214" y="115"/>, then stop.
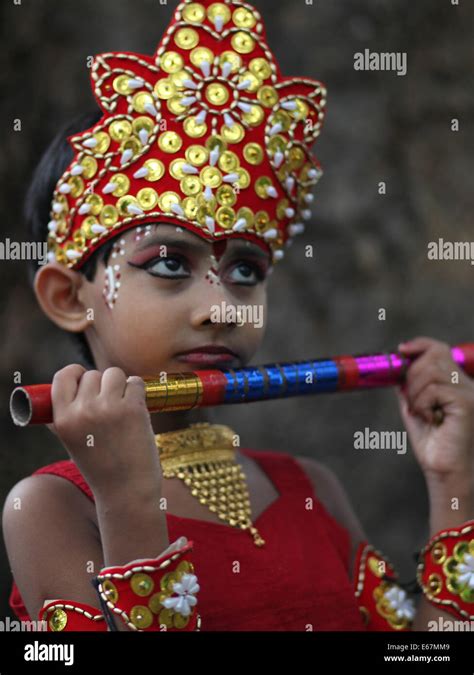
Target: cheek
<point x="141" y="320"/>
<point x="140" y="341"/>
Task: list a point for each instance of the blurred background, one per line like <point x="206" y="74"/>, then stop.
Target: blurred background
<point x="369" y="249"/>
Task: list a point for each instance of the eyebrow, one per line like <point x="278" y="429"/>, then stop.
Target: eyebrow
<point x="161" y="240"/>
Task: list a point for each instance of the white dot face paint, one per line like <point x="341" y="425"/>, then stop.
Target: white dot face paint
<point x="212" y="275"/>
<point x="112" y="271"/>
<point x="112" y="284"/>
<point x="112" y="274"/>
<point x="142" y="232"/>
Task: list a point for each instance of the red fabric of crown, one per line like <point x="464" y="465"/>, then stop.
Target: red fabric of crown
<point x="206" y="135"/>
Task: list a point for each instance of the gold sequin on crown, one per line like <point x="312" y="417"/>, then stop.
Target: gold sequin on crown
<point x="206" y="134"/>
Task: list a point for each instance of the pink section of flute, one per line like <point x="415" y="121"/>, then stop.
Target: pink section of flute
<point x="379" y="369"/>
<point x="458" y="355"/>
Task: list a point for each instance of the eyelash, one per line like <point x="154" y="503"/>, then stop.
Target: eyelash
<point x="258" y="269"/>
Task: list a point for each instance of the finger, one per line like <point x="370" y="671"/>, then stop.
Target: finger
<point x="405" y="404"/>
<point x="409" y="418"/>
<point x="433" y="396"/>
<point x="437" y="357"/>
<point x="135" y="388"/>
<point x="413" y="351"/>
<point x="425" y="370"/>
<point x="114" y="383"/>
<point x="438" y="351"/>
<point x="438" y="354"/>
<point x="89" y="386"/>
<point x="65" y="385"/>
<point x="419" y="344"/>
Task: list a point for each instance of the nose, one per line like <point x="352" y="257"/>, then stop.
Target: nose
<point x="209" y="304"/>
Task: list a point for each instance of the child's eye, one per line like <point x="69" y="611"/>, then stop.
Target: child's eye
<point x="248" y="274"/>
<point x="174" y="267"/>
<point x="169" y="267"/>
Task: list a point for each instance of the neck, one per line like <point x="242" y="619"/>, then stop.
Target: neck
<point x="172" y="421"/>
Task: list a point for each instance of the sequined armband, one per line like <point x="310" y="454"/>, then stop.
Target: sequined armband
<point x="153" y="594"/>
<point x="384" y="605"/>
<point x="68" y="615"/>
<point x="446" y="570"/>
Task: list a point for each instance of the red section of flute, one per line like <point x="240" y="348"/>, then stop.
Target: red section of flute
<point x="468" y="351"/>
<point x="214" y="384"/>
<point x="40" y="401"/>
<point x="348" y="371"/>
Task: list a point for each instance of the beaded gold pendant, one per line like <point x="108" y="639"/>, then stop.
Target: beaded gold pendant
<point x="203" y="457"/>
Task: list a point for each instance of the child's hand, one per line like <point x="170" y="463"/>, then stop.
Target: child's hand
<point x="102" y="420"/>
<point x="444" y="452"/>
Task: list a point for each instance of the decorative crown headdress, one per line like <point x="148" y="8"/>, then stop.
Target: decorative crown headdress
<point x="206" y="134"/>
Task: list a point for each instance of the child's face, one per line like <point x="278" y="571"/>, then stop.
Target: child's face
<point x="155" y="300"/>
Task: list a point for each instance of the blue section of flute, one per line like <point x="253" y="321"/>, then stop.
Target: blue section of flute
<point x="280" y="380"/>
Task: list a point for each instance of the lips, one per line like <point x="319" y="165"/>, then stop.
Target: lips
<point x="201" y="358"/>
<point x="211" y="354"/>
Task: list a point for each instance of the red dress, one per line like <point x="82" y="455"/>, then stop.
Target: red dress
<point x="300" y="579"/>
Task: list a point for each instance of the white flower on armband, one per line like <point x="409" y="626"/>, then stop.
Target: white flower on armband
<point x="465" y="570"/>
<point x="403" y="606"/>
<point x="186" y="590"/>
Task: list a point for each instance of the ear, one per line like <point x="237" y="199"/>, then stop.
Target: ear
<point x="60" y="293"/>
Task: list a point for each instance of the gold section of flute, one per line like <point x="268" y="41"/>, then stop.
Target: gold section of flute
<point x="180" y="391"/>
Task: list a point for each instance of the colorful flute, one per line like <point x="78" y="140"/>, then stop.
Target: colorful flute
<point x="200" y="388"/>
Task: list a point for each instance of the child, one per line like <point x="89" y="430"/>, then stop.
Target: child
<point x="180" y="196"/>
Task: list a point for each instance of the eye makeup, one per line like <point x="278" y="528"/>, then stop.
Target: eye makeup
<point x="162" y="246"/>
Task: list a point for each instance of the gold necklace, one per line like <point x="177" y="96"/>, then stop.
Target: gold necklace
<point x="203" y="457"/>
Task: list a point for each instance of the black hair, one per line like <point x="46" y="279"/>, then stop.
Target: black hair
<point x="37" y="208"/>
